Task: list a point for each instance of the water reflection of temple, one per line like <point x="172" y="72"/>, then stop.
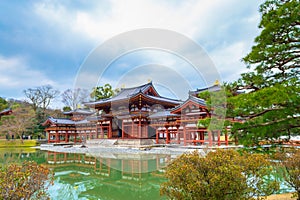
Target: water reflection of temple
<point x="102" y="164"/>
<point x="118" y="177"/>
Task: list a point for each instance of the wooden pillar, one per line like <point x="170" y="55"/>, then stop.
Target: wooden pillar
<point x="110" y="129"/>
<point x="66" y="136"/>
<point x="157" y="134"/>
<point x="209" y="138"/>
<point x="122" y="129"/>
<point x="48" y="136"/>
<point x="146" y="130"/>
<point x="75" y="137"/>
<point x="168" y="135"/>
<point x="184" y="135"/>
<point x="102" y="131"/>
<point x="56" y="137"/>
<point x="132" y="128"/>
<point x="178" y="134"/>
<point x="140" y="128"/>
<point x="96" y="130"/>
<point x="219" y="139"/>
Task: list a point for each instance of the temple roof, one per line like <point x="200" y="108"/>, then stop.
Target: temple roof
<point x="146" y="90"/>
<point x="164" y="113"/>
<point x="6" y="111"/>
<point x="174" y="101"/>
<point x="200" y="102"/>
<point x="64" y="121"/>
<point x="79" y="112"/>
<point x="127" y="92"/>
<point x="213" y="88"/>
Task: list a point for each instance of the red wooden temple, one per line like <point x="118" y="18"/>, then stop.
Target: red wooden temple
<point x="73" y="129"/>
<point x="138" y="113"/>
<point x="7" y="111"/>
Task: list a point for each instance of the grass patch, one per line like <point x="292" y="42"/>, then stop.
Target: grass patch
<point x="17" y="143"/>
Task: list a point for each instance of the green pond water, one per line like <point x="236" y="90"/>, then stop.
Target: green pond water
<point x="110" y="176"/>
<point x="105" y="176"/>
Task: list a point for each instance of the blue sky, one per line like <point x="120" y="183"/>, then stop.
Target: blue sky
<point x="46" y="42"/>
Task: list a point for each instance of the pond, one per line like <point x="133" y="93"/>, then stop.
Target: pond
<point x="105" y="176"/>
<point x="79" y="176"/>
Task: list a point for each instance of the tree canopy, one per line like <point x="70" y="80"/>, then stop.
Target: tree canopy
<point x="74" y="98"/>
<point x="19" y="122"/>
<point x="41" y="97"/>
<point x="290" y="167"/>
<point x="223" y="174"/>
<point x="102" y="92"/>
<point x="3" y="104"/>
<point x="270" y="100"/>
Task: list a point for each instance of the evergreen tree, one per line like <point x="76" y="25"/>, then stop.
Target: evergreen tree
<point x="271" y="98"/>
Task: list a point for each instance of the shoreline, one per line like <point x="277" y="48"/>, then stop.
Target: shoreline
<point x="174" y="150"/>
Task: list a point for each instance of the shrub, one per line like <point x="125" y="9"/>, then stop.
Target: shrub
<point x="290" y="162"/>
<point x="223" y="174"/>
<point x="26" y="181"/>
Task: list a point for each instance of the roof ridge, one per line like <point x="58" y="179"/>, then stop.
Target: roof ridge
<point x="165" y="98"/>
<point x="129" y="88"/>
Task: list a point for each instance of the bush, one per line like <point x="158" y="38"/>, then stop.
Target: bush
<point x="26" y="181"/>
<point x="290" y="162"/>
<point x="224" y="174"/>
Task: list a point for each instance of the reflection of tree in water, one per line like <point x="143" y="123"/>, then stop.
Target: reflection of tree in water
<point x="19" y="155"/>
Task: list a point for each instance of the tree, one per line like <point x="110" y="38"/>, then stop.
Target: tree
<point x="41" y="97"/>
<point x="67" y="108"/>
<point x="290" y="162"/>
<point x="224" y="174"/>
<point x="102" y="92"/>
<point x="270" y="103"/>
<point x="21" y="120"/>
<point x="216" y="105"/>
<point x="26" y="181"/>
<point x="3" y="104"/>
<point x="74" y="98"/>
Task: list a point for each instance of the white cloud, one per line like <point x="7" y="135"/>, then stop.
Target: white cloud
<point x="228" y="60"/>
<point x="225" y="28"/>
<point x="15" y="73"/>
<point x="196" y="19"/>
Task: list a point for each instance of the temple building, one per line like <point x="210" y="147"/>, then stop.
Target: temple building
<point x="75" y="128"/>
<point x="7" y="111"/>
<point x="138" y="113"/>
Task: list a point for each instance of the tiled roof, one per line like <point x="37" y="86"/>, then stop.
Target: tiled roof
<point x="125" y="93"/>
<point x="131" y="92"/>
<point x="174" y="101"/>
<point x="197" y="100"/>
<point x="5" y="111"/>
<point x="61" y="120"/>
<point x="79" y="111"/>
<point x="164" y="113"/>
<point x="213" y="88"/>
<point x="191" y="98"/>
<point x="66" y="121"/>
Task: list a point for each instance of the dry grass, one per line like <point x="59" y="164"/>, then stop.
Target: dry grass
<point x="286" y="196"/>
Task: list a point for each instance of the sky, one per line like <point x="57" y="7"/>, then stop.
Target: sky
<point x="50" y="43"/>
